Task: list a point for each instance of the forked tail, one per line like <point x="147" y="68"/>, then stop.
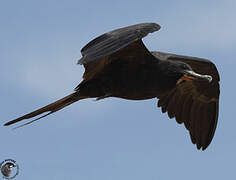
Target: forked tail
<point x="51" y="108"/>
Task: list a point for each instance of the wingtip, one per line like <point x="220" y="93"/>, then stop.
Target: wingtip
<point x="152" y="26"/>
<point x="157" y="26"/>
<point x="206" y="146"/>
<point x="202" y="147"/>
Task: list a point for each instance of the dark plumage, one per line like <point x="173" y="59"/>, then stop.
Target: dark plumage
<point x="117" y="64"/>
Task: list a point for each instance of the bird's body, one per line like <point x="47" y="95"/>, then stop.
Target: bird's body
<point x="127" y="80"/>
<point x="117" y="64"/>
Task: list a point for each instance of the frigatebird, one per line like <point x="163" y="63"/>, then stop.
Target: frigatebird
<point x="117" y="64"/>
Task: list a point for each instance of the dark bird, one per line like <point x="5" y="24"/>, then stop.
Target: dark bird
<point x="117" y="64"/>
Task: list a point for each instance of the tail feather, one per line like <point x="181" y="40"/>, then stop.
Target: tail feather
<point x="32" y="120"/>
<point x="51" y="108"/>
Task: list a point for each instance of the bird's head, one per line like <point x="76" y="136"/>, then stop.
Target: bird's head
<point x="183" y="72"/>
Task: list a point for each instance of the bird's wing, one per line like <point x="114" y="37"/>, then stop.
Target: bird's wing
<point x="119" y="43"/>
<point x="194" y="103"/>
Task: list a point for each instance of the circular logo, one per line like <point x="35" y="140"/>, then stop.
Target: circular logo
<point x="9" y="169"/>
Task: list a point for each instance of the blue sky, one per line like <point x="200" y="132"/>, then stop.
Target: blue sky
<point x="40" y="43"/>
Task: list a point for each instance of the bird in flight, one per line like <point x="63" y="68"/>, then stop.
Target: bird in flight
<point x="117" y="64"/>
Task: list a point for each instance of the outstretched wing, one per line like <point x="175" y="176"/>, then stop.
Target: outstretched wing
<point x="194" y="103"/>
<point x="120" y="43"/>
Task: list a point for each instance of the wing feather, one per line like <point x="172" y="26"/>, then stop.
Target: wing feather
<point x="115" y="40"/>
<point x="172" y="105"/>
<point x="186" y="112"/>
<point x="200" y="100"/>
<point x="124" y="43"/>
<point x="179" y="108"/>
<point x="192" y="121"/>
<point x="205" y="125"/>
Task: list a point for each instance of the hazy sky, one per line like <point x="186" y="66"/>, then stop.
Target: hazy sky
<point x="112" y="139"/>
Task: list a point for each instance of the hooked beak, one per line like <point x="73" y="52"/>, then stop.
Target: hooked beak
<point x="195" y="76"/>
<point x="191" y="75"/>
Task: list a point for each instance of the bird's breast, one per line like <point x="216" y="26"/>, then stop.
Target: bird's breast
<point x="138" y="83"/>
